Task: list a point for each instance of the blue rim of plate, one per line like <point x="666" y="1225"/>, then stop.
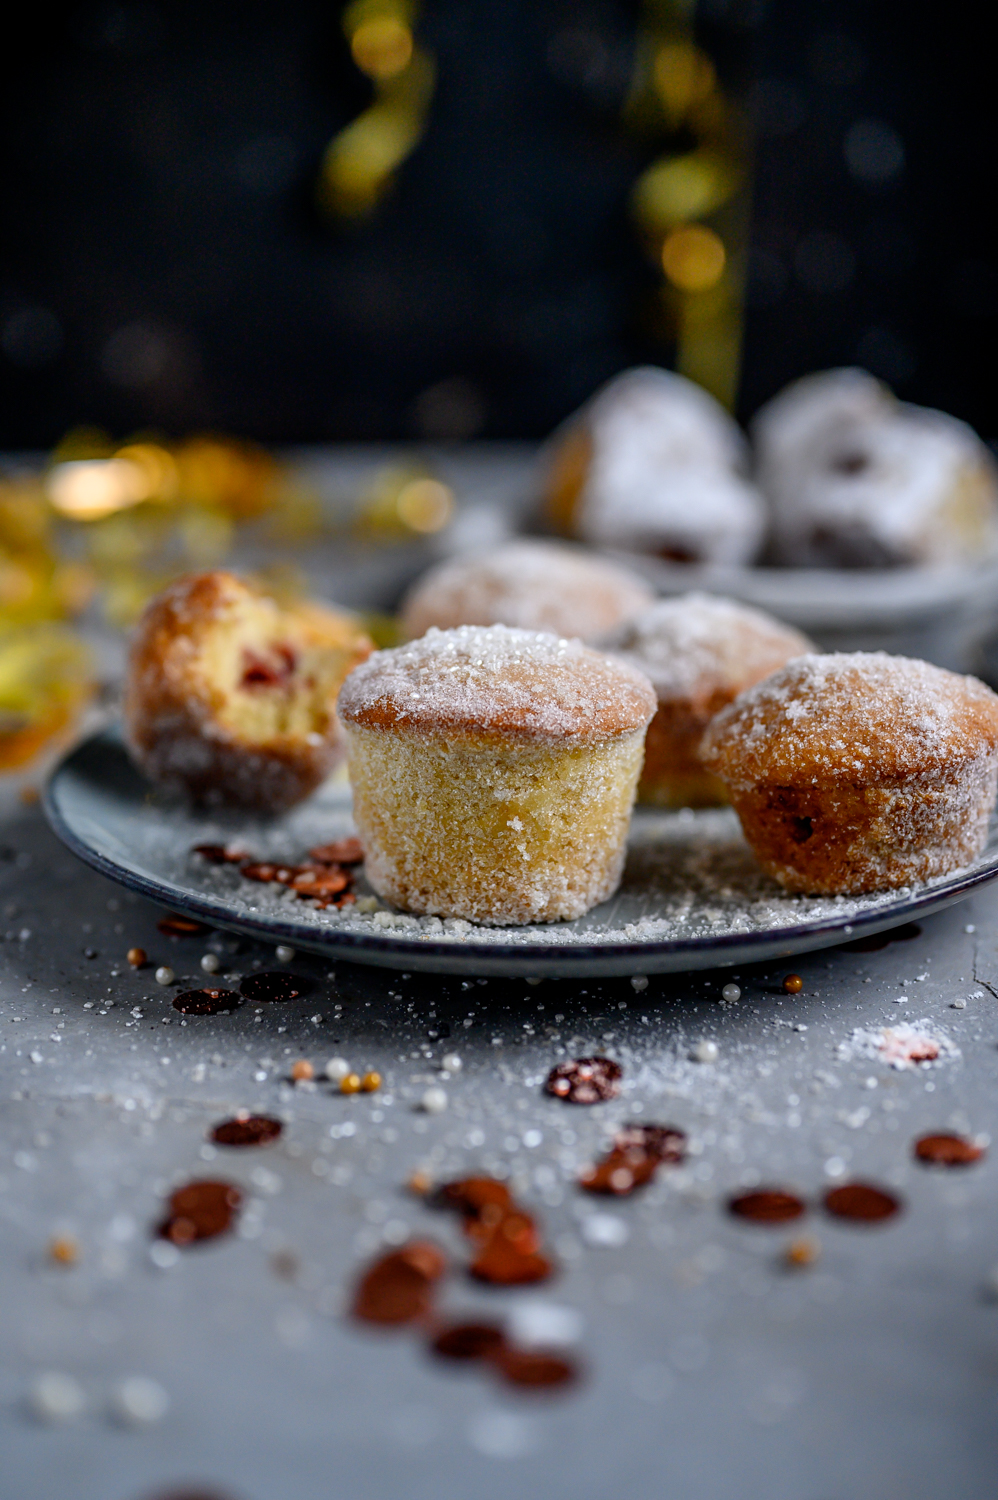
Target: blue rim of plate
<point x="575" y="960"/>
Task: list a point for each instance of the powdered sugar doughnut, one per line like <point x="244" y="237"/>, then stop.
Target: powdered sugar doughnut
<point x="698" y="652"/>
<point x="857" y="479"/>
<point x="494" y="771"/>
<point x="534" y="585"/>
<point x="654" y="464"/>
<point x="859" y="772"/>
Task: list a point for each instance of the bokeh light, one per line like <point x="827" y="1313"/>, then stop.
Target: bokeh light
<point x="693" y="258"/>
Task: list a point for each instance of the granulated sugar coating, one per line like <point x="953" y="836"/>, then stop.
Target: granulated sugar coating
<point x="533" y="585"/>
<point x="855" y="773"/>
<point x="847" y="717"/>
<point x="494" y="772"/>
<point x="522" y="684"/>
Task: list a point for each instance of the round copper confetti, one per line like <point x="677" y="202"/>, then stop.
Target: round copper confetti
<point x="262" y="870"/>
<point x="504" y="1264"/>
<point x="861" y="1202"/>
<point x="346" y="851"/>
<point x="947" y="1150"/>
<point x="533" y="1368"/>
<point x="200" y="1211"/>
<point x="247" y="1130"/>
<point x="585" y="1080"/>
<point x="767" y="1206"/>
<point x="206" y="1002"/>
<point x="663" y="1142"/>
<point x="471" y="1194"/>
<point x="792" y="984"/>
<point x="468" y="1341"/>
<point x="272" y="984"/>
<point x="619" y="1172"/>
<point x="175" y="925"/>
<point x="398" y="1287"/>
<point x="320" y="882"/>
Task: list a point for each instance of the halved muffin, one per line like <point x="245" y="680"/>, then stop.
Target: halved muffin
<point x="231" y="698"/>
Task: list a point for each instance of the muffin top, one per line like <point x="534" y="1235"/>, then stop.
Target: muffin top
<point x="697" y="646"/>
<point x="864" y="716"/>
<point x="535" y="585"/>
<point x="522" y="684"/>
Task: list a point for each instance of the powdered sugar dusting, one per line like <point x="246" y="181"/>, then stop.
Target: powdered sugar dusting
<point x="698" y="644"/>
<point x="907" y="1045"/>
<point x="862" y="714"/>
<point x="528" y="684"/>
<point x="532" y="585"/>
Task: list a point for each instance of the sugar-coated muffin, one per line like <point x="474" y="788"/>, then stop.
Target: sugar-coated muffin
<point x="231" y="699"/>
<point x="859" y="772"/>
<point x="699" y="653"/>
<point x="494" y="771"/>
<point x="858" y="479"/>
<point x="534" y="585"/>
<point x="654" y="464"/>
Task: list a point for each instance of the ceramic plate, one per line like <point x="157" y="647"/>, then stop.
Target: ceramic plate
<point x="692" y="896"/>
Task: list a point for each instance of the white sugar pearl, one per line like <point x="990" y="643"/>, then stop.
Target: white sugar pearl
<point x="164" y="974"/>
<point x="337" y="1069"/>
<point x="138" y="1401"/>
<point x="211" y="963"/>
<point x="731" y="993"/>
<point x="639" y="982"/>
<point x="451" y="1063"/>
<point x="704" y="1052"/>
<point x="284" y="953"/>
<point x="434" y="1101"/>
<point x="56" y="1398"/>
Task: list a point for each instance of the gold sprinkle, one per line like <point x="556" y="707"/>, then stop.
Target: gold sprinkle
<point x="350" y="1084"/>
<point x="370" y="1082"/>
<point x="802" y="1252"/>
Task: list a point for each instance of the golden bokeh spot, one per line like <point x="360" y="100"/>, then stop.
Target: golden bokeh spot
<point x="683" y="76"/>
<point x="693" y="258"/>
<point x="425" y="505"/>
<point x="86" y="489"/>
<point x="382" y="47"/>
<point x="681" y="188"/>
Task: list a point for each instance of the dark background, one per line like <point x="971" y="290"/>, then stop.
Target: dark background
<point x="162" y="261"/>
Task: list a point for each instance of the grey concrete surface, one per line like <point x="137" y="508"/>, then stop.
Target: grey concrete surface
<point x="712" y="1371"/>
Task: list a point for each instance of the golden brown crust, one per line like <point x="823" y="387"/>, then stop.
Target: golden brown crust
<point x="673" y="774"/>
<point x="699" y="653"/>
<point x="498" y="682"/>
<point x="859" y="773"/>
<point x="859" y="717"/>
<point x="174" y="708"/>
